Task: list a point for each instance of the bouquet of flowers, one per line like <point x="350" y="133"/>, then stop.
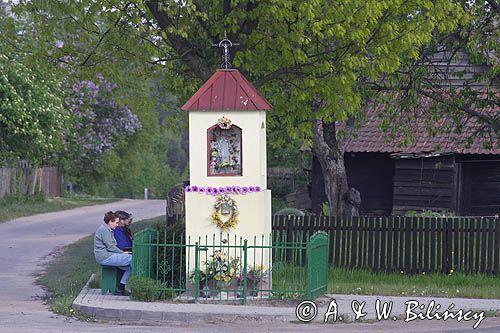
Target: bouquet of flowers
<point x="221" y="267"/>
<point x="255" y="276"/>
<point x="257" y="273"/>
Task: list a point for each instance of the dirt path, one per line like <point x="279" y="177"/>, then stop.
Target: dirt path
<point x="25" y="242"/>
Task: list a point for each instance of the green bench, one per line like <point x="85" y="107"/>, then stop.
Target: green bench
<point x="110" y="279"/>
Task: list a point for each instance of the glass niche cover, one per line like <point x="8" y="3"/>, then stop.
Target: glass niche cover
<point x="224" y="153"/>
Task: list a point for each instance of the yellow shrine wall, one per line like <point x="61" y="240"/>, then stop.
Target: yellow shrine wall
<point x="254" y="222"/>
<point x="254" y="208"/>
<point x="253" y="125"/>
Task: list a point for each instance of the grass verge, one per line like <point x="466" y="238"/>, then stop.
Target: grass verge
<point x="359" y="282"/>
<point x="12" y="207"/>
<point x="343" y="281"/>
<point x="65" y="276"/>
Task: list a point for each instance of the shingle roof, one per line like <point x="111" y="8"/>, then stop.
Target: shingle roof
<point x="371" y="138"/>
<point x="227" y="89"/>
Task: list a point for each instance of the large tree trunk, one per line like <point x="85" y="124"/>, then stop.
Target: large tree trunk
<point x="318" y="196"/>
<point x="329" y="151"/>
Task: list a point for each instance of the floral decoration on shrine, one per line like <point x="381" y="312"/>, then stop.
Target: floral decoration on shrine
<point x="225" y="214"/>
<point x="223" y="189"/>
<point x="224" y="123"/>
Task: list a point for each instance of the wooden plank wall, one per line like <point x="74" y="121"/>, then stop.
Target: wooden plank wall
<point x="482" y="187"/>
<point x="454" y="69"/>
<point x="5" y="178"/>
<point x="424" y="184"/>
<point x="26" y="180"/>
<point x="372" y="175"/>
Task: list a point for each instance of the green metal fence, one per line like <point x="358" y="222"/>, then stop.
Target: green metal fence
<point x="142" y="260"/>
<point x="220" y="267"/>
<point x="317" y="265"/>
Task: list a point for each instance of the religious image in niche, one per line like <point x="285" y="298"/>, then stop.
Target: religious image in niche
<point x="225" y="150"/>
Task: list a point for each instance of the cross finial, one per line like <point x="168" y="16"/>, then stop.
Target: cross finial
<point x="225" y="44"/>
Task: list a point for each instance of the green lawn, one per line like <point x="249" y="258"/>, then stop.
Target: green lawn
<point x="65" y="276"/>
<point x="342" y="281"/>
<point x="14" y="207"/>
<point x="358" y="282"/>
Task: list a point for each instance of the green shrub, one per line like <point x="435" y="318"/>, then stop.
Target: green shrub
<point x="290" y="211"/>
<point x="278" y="204"/>
<point x="429" y="213"/>
<point x="143" y="289"/>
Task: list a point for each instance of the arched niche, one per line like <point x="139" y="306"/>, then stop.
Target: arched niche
<point x="224" y="149"/>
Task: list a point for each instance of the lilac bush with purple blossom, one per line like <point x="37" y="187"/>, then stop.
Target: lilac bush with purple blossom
<point x="99" y="121"/>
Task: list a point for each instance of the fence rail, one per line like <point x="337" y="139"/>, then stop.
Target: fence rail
<point x="404" y="244"/>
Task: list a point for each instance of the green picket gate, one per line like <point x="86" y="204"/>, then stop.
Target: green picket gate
<point x="317" y="265"/>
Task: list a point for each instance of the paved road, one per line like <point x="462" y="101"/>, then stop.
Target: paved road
<point x="25" y="243"/>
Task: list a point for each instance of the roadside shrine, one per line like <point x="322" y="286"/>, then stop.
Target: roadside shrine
<point x="228" y="200"/>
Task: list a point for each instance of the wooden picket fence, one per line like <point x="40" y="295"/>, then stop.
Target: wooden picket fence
<point x="410" y="245"/>
<point x="26" y="180"/>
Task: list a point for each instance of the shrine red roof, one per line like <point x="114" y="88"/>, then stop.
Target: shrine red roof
<point x="227" y="89"/>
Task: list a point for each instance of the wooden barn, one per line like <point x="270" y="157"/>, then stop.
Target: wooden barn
<point x="436" y="173"/>
<point x="441" y="172"/>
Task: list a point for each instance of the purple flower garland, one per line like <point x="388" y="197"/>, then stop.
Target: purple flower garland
<point x="223" y="189"/>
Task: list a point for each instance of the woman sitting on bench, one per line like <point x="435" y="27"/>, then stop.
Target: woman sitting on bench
<point x="106" y="253"/>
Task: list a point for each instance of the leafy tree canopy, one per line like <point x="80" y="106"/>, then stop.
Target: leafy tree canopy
<point x="32" y="116"/>
<point x="315" y="60"/>
<point x="295" y="51"/>
<point x="453" y="83"/>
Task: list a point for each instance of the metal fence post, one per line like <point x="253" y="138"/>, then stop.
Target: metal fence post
<point x="245" y="248"/>
<point x="196" y="273"/>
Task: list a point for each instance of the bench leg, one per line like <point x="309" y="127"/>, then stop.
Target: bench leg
<point x="110" y="278"/>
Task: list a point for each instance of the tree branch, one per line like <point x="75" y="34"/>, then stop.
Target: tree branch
<point x="493" y="122"/>
<point x="182" y="46"/>
<point x="494" y="5"/>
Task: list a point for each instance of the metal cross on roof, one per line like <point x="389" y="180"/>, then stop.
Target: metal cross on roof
<point x="225" y="44"/>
